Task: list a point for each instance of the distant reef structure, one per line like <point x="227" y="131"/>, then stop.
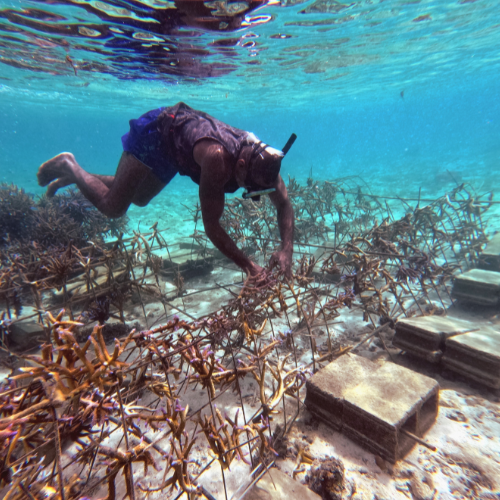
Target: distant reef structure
<point x="41" y="239"/>
<point x="28" y="223"/>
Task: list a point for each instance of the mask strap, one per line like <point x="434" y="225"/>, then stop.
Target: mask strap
<point x="257" y="149"/>
<point x="257" y="194"/>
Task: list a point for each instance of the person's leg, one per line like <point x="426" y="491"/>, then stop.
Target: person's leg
<point x="106" y="179"/>
<point x="149" y="188"/>
<point x="110" y="195"/>
<point x="145" y="192"/>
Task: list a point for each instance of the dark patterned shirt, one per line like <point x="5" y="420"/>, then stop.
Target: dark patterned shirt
<point x="164" y="138"/>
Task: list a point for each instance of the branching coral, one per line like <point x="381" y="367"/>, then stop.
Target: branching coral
<point x="79" y="396"/>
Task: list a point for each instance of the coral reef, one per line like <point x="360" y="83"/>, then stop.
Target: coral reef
<point x="327" y="479"/>
<point x="92" y="413"/>
<point x="16" y="214"/>
<point x="51" y="222"/>
<point x="40" y="241"/>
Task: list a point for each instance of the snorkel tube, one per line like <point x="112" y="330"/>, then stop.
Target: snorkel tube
<point x="289" y="144"/>
<point x="257" y="194"/>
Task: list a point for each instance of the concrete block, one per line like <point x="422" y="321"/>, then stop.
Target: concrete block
<point x="478" y="286"/>
<point x="78" y="285"/>
<point x="424" y="337"/>
<point x="391" y="400"/>
<point x="373" y="405"/>
<point x="280" y="487"/>
<point x="489" y="260"/>
<point x="26" y="335"/>
<point x="475" y="355"/>
<point x="189" y="260"/>
<point x="326" y="389"/>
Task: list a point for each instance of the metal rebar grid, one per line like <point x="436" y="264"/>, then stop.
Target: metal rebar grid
<point x="92" y="411"/>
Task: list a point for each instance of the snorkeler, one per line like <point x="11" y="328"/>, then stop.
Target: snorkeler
<point x="179" y="139"/>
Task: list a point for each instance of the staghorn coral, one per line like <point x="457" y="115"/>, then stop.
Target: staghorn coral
<point x="75" y="392"/>
<point x="16" y="213"/>
<point x="52" y="222"/>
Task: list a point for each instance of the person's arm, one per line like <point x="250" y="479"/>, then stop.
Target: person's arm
<point x="215" y="173"/>
<point x="280" y="200"/>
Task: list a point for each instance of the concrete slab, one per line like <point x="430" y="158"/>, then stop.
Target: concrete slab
<point x="280" y="487"/>
<point x="189" y="260"/>
<point x="391" y="400"/>
<point x="489" y="260"/>
<point x="424" y="337"/>
<point x="373" y="405"/>
<point x="475" y="356"/>
<point x="327" y="388"/>
<point x="26" y="335"/>
<point x="478" y="286"/>
<point x="78" y="286"/>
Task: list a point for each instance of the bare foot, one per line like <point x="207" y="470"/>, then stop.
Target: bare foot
<point x="58" y="172"/>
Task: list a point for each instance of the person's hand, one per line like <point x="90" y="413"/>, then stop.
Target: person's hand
<point x="284" y="261"/>
<point x="254" y="270"/>
<point x="254" y="276"/>
<point x="258" y="280"/>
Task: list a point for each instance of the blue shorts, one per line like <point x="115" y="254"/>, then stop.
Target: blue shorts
<point x="145" y="141"/>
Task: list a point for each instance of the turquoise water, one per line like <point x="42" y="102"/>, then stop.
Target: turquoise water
<point x="403" y="95"/>
<point x="397" y="92"/>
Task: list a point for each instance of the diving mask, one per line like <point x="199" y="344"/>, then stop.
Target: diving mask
<point x="253" y="190"/>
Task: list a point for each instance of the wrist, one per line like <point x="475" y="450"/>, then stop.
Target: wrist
<point x="252" y="269"/>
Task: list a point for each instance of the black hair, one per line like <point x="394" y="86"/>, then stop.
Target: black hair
<point x="262" y="165"/>
<point x="266" y="167"/>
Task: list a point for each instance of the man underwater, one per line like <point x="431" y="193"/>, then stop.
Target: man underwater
<point x="179" y="139"/>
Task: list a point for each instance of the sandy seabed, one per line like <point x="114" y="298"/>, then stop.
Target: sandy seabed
<point x="466" y="434"/>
